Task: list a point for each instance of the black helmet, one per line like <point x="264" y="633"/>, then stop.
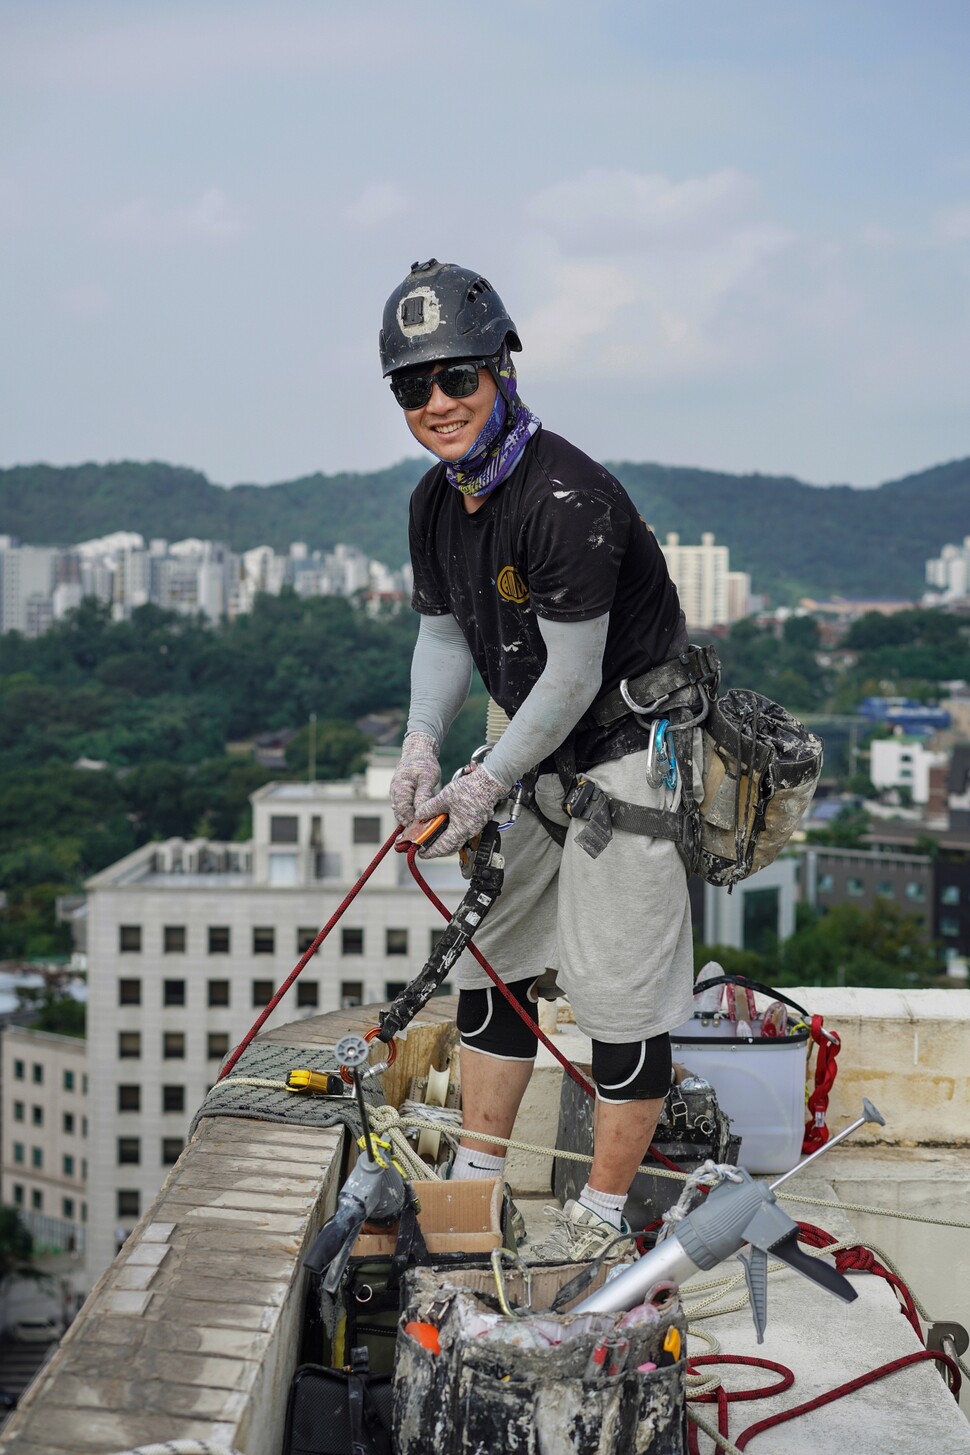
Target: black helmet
<point x="442" y="311"/>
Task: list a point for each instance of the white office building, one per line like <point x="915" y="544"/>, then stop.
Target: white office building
<point x="711" y="594"/>
<point x="188" y="941"/>
<point x="44" y="1133"/>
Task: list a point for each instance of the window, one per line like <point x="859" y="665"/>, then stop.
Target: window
<point x="307" y="992"/>
<point x="173" y="992"/>
<point x="84" y="1126"/>
<point x="218" y="1045"/>
<point x="171" y="1150"/>
<point x="173" y="1046"/>
<point x="67" y="1165"/>
<point x="18" y="1194"/>
<point x="19" y="1152"/>
<point x="327" y="865"/>
<point x="173" y="1098"/>
<point x="37" y="1073"/>
<point x="885" y="889"/>
<point x="37" y="1115"/>
<point x="68" y="1080"/>
<point x="393" y="988"/>
<point x="173" y="939"/>
<point x="129" y="1202"/>
<point x="915" y="891"/>
<point x="129" y="992"/>
<point x="284" y="828"/>
<point x="129" y="1045"/>
<point x="37" y="1157"/>
<point x="37" y="1200"/>
<point x="949" y="926"/>
<point x="129" y="1151"/>
<point x="283" y="868"/>
<point x="218" y="939"/>
<point x="129" y="938"/>
<point x="19" y="1111"/>
<point x="351" y="993"/>
<point x="367" y="830"/>
<point x="304" y="939"/>
<point x="67" y="1209"/>
<point x="19" y="1070"/>
<point x="264" y="940"/>
<point x="351" y="942"/>
<point x="218" y="992"/>
<point x="68" y="1123"/>
<point x="262" y="992"/>
<point x="434" y="937"/>
<point x="395" y="942"/>
<point x="129" y="1098"/>
<point x="855" y="887"/>
<point x="950" y="894"/>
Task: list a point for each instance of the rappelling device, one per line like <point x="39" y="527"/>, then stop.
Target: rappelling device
<point x="487" y="873"/>
<point x="374" y="1193"/>
<point x="737" y="1211"/>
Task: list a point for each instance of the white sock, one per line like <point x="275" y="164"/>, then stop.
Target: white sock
<point x="607" y="1205"/>
<point x="469" y="1164"/>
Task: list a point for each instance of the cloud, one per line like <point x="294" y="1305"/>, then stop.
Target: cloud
<point x="649" y="274"/>
<point x="953" y="224"/>
<point x="615" y="211"/>
<point x="379" y="203"/>
<point x="210" y="218"/>
<point x="138" y="50"/>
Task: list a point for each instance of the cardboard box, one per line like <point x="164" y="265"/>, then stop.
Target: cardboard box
<point x="455" y="1217"/>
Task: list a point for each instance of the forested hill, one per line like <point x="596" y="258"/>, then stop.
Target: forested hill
<point x="794" y="539"/>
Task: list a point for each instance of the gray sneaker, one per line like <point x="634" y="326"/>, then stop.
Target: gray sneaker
<point x="579" y="1235"/>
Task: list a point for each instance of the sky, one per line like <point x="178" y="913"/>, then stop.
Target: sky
<point x="732" y="234"/>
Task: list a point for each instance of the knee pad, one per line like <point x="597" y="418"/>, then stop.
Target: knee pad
<point x="632" y="1070"/>
<point x="487" y="1022"/>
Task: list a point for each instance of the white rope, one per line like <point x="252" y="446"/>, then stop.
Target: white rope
<point x="709" y="1174"/>
<point x="720" y="1440"/>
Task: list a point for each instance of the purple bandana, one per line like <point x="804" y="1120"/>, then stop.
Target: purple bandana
<point x="498" y="449"/>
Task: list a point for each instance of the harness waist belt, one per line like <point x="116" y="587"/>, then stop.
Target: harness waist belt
<point x="693" y="668"/>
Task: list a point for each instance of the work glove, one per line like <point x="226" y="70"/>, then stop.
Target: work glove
<point x="416" y="776"/>
<point x="468" y="801"/>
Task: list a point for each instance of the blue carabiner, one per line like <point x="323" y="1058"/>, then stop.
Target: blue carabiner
<point x="666" y="754"/>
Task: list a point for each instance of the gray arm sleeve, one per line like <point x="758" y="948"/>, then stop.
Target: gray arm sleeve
<point x="441" y="674"/>
<point x="568" y="684"/>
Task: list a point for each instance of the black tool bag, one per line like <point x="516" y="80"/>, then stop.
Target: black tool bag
<point x="339" y="1411"/>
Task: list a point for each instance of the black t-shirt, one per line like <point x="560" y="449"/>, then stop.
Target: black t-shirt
<point x="560" y="538"/>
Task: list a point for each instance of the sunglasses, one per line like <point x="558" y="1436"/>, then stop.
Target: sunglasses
<point x="458" y="381"/>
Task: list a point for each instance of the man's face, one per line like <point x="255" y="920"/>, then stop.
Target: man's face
<point x="449" y="427"/>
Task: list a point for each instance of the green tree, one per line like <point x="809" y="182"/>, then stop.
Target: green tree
<point x="852" y="946"/>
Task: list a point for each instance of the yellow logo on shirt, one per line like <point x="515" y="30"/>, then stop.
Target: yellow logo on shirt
<point x="511" y="587"/>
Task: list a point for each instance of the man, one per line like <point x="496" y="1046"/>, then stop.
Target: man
<point x="531" y="562"/>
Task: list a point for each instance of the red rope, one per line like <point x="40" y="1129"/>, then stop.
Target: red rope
<point x="816" y="1131"/>
<point x="308" y="955"/>
<point x="722" y="1397"/>
<point x="851" y="1385"/>
<point x="859" y="1259"/>
<point x="566" y="1064"/>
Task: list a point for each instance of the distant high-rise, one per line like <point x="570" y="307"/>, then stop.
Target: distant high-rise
<point x="711" y="594"/>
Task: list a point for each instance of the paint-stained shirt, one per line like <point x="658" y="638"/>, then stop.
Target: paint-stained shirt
<point x="560" y="538"/>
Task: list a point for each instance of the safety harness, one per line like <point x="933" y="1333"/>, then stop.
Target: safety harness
<point x="669" y="701"/>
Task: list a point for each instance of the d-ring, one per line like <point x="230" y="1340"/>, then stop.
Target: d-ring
<point x="650" y="708"/>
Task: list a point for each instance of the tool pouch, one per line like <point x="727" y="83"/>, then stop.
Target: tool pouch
<point x="338" y="1411"/>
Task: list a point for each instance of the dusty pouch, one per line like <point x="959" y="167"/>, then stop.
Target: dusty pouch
<point x="761" y="766"/>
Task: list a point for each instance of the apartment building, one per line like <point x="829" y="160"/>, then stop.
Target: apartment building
<point x="188" y="942"/>
<point x="711" y="594"/>
<point x="44" y="1133"/>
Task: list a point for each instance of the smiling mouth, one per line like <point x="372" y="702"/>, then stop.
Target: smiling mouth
<point x="445" y="429"/>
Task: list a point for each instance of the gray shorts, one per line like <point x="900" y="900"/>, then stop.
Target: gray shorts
<point x="616" y="929"/>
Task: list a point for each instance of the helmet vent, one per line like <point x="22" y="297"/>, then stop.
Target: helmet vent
<point x="480" y="285"/>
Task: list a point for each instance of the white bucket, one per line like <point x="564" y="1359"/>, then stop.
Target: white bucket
<point x="760" y="1085"/>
